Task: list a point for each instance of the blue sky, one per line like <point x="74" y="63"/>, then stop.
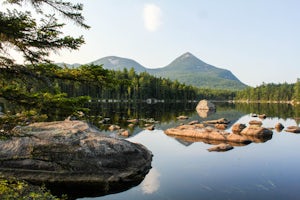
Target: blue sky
<point x="257" y="40"/>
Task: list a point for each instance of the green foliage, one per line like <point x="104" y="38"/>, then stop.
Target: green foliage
<point x="12" y="189"/>
<point x="35" y="38"/>
<point x="271" y="93"/>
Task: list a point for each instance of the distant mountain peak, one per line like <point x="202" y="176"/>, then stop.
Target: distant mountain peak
<point x="114" y="60"/>
<point x="187" y="55"/>
<point x="186" y="68"/>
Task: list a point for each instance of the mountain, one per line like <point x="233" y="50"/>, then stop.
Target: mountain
<point x="118" y="63"/>
<point x="187" y="69"/>
<point x="75" y="65"/>
<point x="190" y="70"/>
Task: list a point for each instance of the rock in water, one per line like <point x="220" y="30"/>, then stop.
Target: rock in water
<point x="72" y="152"/>
<point x="208" y="133"/>
<point x="205" y="105"/>
<point x="221" y="147"/>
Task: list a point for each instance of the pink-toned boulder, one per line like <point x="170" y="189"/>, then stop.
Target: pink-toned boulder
<point x="279" y="127"/>
<point x="206" y="133"/>
<point x="221" y="147"/>
<point x="221" y="126"/>
<point x="237" y="128"/>
<point x="255" y="123"/>
<point x="254" y="130"/>
<point x="293" y="129"/>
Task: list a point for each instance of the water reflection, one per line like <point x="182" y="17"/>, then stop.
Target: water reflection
<point x="184" y="169"/>
<point x="205" y="113"/>
<point x="151" y="183"/>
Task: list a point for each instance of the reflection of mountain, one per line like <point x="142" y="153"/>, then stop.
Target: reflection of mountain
<point x="184" y="141"/>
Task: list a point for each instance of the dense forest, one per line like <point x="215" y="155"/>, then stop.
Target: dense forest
<point x="48" y="84"/>
<point x="289" y="93"/>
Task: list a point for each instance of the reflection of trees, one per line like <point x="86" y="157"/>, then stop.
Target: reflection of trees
<point x="120" y="112"/>
<point x="270" y="109"/>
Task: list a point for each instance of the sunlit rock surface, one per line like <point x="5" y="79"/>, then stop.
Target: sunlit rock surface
<point x="73" y="153"/>
<point x="206" y="133"/>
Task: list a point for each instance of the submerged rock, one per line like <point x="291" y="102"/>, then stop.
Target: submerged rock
<point x="73" y="152"/>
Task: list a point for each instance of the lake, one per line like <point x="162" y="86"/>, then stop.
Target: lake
<point x="184" y="169"/>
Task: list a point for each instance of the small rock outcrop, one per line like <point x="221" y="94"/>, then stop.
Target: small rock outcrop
<point x="72" y="152"/>
<point x="279" y="127"/>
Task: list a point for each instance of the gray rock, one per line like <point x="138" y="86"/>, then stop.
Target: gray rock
<point x="72" y="152"/>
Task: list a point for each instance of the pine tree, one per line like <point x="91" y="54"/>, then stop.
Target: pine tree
<point x="36" y="38"/>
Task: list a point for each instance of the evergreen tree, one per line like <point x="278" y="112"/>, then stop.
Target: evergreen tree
<point x="36" y="38"/>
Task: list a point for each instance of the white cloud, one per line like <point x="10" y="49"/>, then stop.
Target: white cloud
<point x="152" y="17"/>
<point x="151" y="182"/>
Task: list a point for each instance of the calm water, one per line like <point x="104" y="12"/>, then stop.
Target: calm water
<point x="186" y="170"/>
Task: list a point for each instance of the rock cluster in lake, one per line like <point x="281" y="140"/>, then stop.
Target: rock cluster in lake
<point x="212" y="132"/>
<point x="73" y="153"/>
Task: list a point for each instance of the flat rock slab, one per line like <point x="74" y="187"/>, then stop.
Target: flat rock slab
<point x="221" y="147"/>
<point x="206" y="133"/>
<point x="293" y="129"/>
<point x="72" y="152"/>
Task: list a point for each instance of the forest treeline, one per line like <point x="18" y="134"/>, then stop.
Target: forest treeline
<point x="271" y="92"/>
<point x="53" y="85"/>
<point x="96" y="82"/>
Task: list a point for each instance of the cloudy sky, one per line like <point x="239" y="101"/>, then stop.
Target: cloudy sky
<point x="258" y="40"/>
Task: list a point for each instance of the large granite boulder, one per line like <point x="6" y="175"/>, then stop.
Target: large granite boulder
<point x="73" y="153"/>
